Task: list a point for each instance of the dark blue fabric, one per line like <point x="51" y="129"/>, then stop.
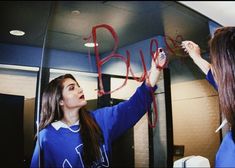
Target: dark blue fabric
<point x="211" y="80"/>
<point x="62" y="148"/>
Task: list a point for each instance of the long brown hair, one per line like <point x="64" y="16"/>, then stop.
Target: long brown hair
<point x="222" y="50"/>
<point x="51" y="111"/>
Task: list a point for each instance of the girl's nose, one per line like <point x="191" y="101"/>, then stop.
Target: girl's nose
<point x="80" y="90"/>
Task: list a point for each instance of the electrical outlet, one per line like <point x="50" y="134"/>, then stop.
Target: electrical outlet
<point x="178" y="150"/>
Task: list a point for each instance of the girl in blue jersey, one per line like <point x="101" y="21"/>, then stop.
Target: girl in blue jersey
<point x="222" y="53"/>
<point x="71" y="136"/>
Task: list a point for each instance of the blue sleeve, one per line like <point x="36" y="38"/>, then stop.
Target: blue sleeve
<point x="35" y="158"/>
<point x="40" y="158"/>
<point x="117" y="119"/>
<point x="211" y="80"/>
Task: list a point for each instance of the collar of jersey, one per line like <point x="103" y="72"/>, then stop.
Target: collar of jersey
<point x="59" y="124"/>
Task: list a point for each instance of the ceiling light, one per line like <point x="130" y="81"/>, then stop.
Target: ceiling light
<point x="75" y="12"/>
<point x="17" y="32"/>
<point x="90" y="44"/>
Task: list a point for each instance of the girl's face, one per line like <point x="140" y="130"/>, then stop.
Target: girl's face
<point x="73" y="97"/>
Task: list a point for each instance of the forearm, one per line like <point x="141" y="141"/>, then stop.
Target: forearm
<point x="202" y="64"/>
<point x="154" y="75"/>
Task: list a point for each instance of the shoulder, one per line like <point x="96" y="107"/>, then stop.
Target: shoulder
<point x="46" y="132"/>
<point x="98" y="114"/>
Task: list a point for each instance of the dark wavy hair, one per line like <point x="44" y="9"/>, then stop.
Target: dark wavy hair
<point x="51" y="111"/>
<point x="222" y="51"/>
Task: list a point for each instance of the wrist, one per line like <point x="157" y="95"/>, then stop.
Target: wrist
<point x="196" y="58"/>
<point x="154" y="77"/>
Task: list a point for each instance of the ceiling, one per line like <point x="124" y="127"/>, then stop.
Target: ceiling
<point x="222" y="12"/>
<point x="133" y="21"/>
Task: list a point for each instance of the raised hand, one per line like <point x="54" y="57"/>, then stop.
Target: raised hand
<point x="157" y="64"/>
<point x="194" y="52"/>
<point x="192" y="49"/>
<point x="160" y="59"/>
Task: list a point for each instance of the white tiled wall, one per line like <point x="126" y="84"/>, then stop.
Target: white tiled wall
<point x="18" y="83"/>
<point x="195" y="118"/>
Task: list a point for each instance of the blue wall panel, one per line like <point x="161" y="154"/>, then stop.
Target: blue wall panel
<point x="20" y="55"/>
<point x="12" y="54"/>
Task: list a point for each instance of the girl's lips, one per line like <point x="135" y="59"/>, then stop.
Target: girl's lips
<point x="82" y="97"/>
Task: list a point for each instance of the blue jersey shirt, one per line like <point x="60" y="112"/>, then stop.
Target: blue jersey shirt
<point x="61" y="146"/>
<point x="225" y="156"/>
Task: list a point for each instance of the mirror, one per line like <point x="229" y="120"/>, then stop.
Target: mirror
<point x="57" y="31"/>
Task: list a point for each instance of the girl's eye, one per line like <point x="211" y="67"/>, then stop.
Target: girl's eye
<point x="71" y="88"/>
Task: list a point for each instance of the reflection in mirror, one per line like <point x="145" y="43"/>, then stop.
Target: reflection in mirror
<point x="87" y="81"/>
<point x="136" y="29"/>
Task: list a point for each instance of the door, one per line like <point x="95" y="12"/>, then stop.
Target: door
<point x="11" y="128"/>
<point x="123" y="147"/>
